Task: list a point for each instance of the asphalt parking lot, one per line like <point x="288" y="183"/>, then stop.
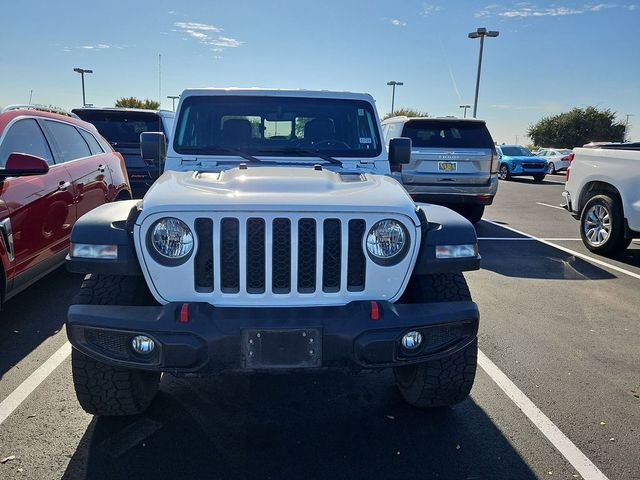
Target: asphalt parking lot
<point x="558" y="322"/>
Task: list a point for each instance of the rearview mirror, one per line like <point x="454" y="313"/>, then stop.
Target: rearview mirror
<point x="399" y="151"/>
<point x="23" y="164"/>
<point x="153" y="146"/>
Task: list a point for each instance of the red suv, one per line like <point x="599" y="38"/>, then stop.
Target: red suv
<point x="53" y="169"/>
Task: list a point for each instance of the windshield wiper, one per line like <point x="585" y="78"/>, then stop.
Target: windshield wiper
<point x="233" y="151"/>
<point x="312" y="153"/>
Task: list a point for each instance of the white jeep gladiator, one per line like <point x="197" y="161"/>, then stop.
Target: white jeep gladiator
<point x="603" y="192"/>
<point x="275" y="240"/>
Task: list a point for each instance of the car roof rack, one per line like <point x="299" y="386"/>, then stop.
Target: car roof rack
<point x="38" y="107"/>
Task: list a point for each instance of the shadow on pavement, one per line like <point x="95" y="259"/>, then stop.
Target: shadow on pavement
<point x="34" y="315"/>
<point x="326" y="425"/>
<point x="532" y="259"/>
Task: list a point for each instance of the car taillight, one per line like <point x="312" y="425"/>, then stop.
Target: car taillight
<point x="494" y="161"/>
<point x="570" y="157"/>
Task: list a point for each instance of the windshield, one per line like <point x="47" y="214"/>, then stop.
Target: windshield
<point x="447" y="134"/>
<point x="516" y="152"/>
<point x="121" y="127"/>
<point x="281" y="126"/>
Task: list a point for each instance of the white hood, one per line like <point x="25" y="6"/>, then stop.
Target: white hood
<point x="277" y="188"/>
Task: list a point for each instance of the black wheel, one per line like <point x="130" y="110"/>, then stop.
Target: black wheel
<point x="473" y="213"/>
<point x="551" y="168"/>
<point x="538" y="177"/>
<point x="504" y="173"/>
<point x="445" y="382"/>
<point x="602" y="225"/>
<point x="103" y="389"/>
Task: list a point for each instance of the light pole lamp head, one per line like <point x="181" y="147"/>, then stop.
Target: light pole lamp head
<point x="393" y="82"/>
<point x="493" y="33"/>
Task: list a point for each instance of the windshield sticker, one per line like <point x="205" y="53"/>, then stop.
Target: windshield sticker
<point x="361" y="112"/>
<point x="366" y="140"/>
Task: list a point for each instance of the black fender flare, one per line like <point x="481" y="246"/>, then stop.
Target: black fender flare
<point x="108" y="224"/>
<point x="442" y="226"/>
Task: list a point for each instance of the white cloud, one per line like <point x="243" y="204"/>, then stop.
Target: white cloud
<point x="205" y="34"/>
<point x="526" y="9"/>
<point x="428" y="9"/>
<point x="397" y="23"/>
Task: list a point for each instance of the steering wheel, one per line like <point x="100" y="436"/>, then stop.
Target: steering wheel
<point x="331" y="142"/>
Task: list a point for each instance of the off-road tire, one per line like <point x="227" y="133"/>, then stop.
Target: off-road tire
<point x="616" y="241"/>
<point x="104" y="389"/>
<point x="539" y="177"/>
<point x="444" y="382"/>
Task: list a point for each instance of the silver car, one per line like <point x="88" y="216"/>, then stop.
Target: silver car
<point x="453" y="162"/>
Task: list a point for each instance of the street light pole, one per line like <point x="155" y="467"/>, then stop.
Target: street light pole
<point x="626" y="128"/>
<point x="173" y="101"/>
<point x="480" y="33"/>
<point x="465" y="109"/>
<point x="393" y="84"/>
<point x="82" y="71"/>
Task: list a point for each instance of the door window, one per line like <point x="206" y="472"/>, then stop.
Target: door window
<point x="93" y="143"/>
<point x="25" y="136"/>
<point x="70" y="143"/>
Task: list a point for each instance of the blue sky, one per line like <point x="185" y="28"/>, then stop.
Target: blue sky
<point x="548" y="58"/>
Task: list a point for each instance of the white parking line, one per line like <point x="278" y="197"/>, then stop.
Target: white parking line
<point x="552" y="206"/>
<point x="569" y="251"/>
<point x="531" y="239"/>
<point x="19" y="395"/>
<point x="559" y="440"/>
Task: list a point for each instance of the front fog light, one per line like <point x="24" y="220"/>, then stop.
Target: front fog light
<point x="456" y="251"/>
<point x="172" y="238"/>
<point x="386" y="239"/>
<point x="142" y="344"/>
<point x="412" y="340"/>
<point x="98" y="252"/>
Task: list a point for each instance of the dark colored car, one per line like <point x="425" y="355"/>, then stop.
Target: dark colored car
<point x="53" y="169"/>
<point x="122" y="128"/>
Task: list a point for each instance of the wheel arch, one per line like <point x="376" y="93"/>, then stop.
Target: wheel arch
<point x="596" y="187"/>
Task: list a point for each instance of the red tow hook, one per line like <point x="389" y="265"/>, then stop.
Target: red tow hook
<point x="375" y="311"/>
<point x="184" y="313"/>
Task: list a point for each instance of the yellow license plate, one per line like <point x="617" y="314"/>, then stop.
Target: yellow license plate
<point x="447" y="166"/>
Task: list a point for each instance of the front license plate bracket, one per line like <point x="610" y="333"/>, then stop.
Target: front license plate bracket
<point x="281" y="348"/>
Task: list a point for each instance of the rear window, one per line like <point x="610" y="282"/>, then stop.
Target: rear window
<point x="121" y="127"/>
<point x="448" y="134"/>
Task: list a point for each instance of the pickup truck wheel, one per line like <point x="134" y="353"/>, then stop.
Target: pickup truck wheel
<point x="602" y="225"/>
<point x="551" y="168"/>
<point x="539" y="177"/>
<point x="104" y="389"/>
<point x="444" y="382"/>
<point x="503" y="173"/>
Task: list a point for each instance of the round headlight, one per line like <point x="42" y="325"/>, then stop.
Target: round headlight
<point x="172" y="238"/>
<point x="386" y="239"/>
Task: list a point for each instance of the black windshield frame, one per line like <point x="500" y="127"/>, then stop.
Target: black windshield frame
<point x="354" y="121"/>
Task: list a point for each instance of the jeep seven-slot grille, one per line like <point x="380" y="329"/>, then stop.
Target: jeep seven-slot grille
<point x="270" y="249"/>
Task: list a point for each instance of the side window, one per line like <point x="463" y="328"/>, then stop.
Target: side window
<point x="70" y="143"/>
<point x="93" y="143"/>
<point x="25" y="136"/>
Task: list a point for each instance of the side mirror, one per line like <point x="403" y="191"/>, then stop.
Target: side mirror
<point x="399" y="151"/>
<point x="23" y="164"/>
<point x="153" y="146"/>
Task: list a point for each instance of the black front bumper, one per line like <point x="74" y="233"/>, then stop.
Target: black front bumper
<point x="216" y="339"/>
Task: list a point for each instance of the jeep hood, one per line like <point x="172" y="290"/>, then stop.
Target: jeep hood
<point x="277" y="188"/>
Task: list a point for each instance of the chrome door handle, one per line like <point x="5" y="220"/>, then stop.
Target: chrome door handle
<point x="63" y="186"/>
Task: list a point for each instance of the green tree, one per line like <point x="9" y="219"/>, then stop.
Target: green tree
<point x="405" y="111"/>
<point x="577" y="127"/>
<point x="133" y="102"/>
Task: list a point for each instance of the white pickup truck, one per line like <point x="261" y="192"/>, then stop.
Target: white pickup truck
<point x="603" y="192"/>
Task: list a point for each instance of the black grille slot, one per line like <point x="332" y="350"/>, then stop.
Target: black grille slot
<point x="113" y="342"/>
<point x="332" y="244"/>
<point x="203" y="274"/>
<point x="230" y="255"/>
<point x="255" y="255"/>
<point x="281" y="252"/>
<point x="306" y="255"/>
<point x="357" y="264"/>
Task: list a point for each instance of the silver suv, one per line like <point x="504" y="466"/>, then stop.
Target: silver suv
<point x="453" y="162"/>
